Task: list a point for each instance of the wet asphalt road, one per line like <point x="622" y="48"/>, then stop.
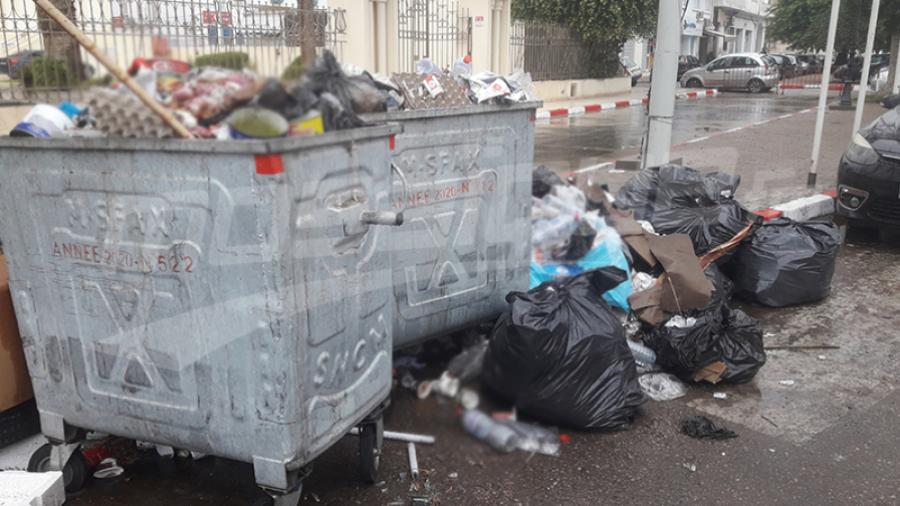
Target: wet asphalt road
<point x="568" y="144"/>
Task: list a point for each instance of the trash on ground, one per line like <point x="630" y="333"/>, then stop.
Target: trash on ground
<point x="543" y="180"/>
<point x="108" y="468"/>
<point x="413" y="461"/>
<point x="680" y="200"/>
<point x="468" y="398"/>
<point x="662" y="386"/>
<point x="701" y="427"/>
<point x="643" y="355"/>
<point x="559" y="354"/>
<point x="487" y="430"/>
<point x="468" y="364"/>
<point x="568" y="239"/>
<point x="787" y="383"/>
<point x="723" y="344"/>
<point x="404" y="437"/>
<point x="690" y="467"/>
<point x="786" y="263"/>
<point x="720" y="395"/>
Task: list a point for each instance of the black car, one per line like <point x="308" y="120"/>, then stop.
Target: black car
<point x="13" y="64"/>
<point x="685" y="63"/>
<point x="869" y="175"/>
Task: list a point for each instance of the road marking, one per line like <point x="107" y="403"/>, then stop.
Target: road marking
<point x="785" y="116"/>
<point x="698" y="139"/>
<point x="594" y="167"/>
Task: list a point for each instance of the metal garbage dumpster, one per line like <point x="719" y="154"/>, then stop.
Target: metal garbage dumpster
<point x="465" y="242"/>
<point x="231" y="298"/>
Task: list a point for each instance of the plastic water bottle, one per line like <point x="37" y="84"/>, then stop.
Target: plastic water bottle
<point x="642" y="354"/>
<point x="462" y="67"/>
<point x="561" y="205"/>
<point x="486" y="429"/>
<point x="555" y="231"/>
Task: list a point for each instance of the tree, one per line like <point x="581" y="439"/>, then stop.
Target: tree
<point x="801" y="25"/>
<point x="603" y="25"/>
<point x="58" y="44"/>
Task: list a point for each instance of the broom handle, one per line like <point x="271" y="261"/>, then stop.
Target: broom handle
<point x="114" y="69"/>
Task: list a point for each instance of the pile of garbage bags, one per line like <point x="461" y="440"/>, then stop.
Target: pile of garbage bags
<point x="225" y="104"/>
<point x="678" y="247"/>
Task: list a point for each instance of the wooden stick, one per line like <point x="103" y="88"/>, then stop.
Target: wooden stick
<point x="114" y="69"/>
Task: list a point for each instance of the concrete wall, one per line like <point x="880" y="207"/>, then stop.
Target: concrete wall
<point x="550" y="91"/>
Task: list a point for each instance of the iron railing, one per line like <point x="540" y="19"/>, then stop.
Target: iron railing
<point x="438" y="29"/>
<point x="549" y="51"/>
<point x="40" y="62"/>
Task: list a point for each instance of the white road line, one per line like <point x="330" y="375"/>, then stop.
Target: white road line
<point x="698" y="139"/>
<point x="594" y="167"/>
<point x="785" y="116"/>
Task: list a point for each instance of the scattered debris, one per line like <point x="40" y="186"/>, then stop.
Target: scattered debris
<point x="108" y="468"/>
<point x="404" y="437"/>
<point x="453" y="476"/>
<point x="662" y="386"/>
<point x="690" y="467"/>
<point x="720" y="395"/>
<point x="786" y="383"/>
<point x="413" y="461"/>
<point x="764" y="417"/>
<point x="701" y="427"/>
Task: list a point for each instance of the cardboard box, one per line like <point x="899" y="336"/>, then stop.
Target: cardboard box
<point x="15" y="383"/>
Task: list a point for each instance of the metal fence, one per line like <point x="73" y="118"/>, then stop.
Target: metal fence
<point x="438" y="29"/>
<point x="40" y="62"/>
<point x="549" y="51"/>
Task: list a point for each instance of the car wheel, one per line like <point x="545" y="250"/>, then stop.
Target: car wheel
<point x="756" y="86"/>
<point x="694" y="83"/>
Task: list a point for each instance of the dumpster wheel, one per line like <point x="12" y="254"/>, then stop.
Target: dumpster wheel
<point x="74" y="473"/>
<point x="371" y="438"/>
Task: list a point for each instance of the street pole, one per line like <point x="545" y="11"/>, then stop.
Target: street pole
<point x="867" y="62"/>
<point x="896" y="87"/>
<point x="823" y="93"/>
<point x="664" y="75"/>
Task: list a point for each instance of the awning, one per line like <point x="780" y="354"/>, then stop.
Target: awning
<point x="714" y="33"/>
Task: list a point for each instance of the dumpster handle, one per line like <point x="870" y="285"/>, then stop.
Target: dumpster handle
<point x="405" y="182"/>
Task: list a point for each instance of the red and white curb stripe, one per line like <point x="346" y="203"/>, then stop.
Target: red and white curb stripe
<point x="619" y="104"/>
<point x="803" y="209"/>
<point x="801" y="86"/>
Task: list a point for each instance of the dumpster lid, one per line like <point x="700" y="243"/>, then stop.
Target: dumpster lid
<point x="257" y="146"/>
<point x="452" y="111"/>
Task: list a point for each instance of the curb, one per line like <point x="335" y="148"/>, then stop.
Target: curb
<point x="803" y="209"/>
<point x="619" y="104"/>
<point x="831" y="87"/>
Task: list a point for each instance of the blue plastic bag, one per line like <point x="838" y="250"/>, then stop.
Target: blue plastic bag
<point x="608" y="251"/>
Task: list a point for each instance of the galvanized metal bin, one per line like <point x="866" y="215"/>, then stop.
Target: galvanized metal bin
<point x="465" y="242"/>
<point x="224" y="297"/>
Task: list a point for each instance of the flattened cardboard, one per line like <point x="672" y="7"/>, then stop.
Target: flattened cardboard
<point x="15" y="383"/>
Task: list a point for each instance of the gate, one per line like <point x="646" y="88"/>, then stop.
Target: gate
<point x="439" y="29"/>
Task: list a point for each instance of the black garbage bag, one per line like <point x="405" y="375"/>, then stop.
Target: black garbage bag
<point x="356" y="95"/>
<point x="543" y="180"/>
<point x="785" y="263"/>
<point x="681" y="200"/>
<point x="559" y="355"/>
<point x="707" y="226"/>
<point x="891" y="101"/>
<point x="688" y="343"/>
<point x="668" y="186"/>
<point x="581" y="241"/>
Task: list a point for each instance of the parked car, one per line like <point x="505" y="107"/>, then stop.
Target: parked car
<point x="745" y="71"/>
<point x="879" y="61"/>
<point x="632" y="68"/>
<point x="869" y="174"/>
<point x="787" y="65"/>
<point x="814" y="64"/>
<point x="13" y="64"/>
<point x="801" y="65"/>
<point x="685" y="63"/>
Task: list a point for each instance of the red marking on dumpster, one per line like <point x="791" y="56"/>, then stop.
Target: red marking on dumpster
<point x="831" y="192"/>
<point x="769" y="214"/>
<point x="392" y="142"/>
<point x="269" y="165"/>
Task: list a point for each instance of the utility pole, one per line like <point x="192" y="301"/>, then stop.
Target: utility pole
<point x="867" y="63"/>
<point x="664" y="77"/>
<point x="823" y="94"/>
<point x="308" y="34"/>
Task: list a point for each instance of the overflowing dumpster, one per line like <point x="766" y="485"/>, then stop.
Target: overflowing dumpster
<point x="465" y="242"/>
<point x="230" y="298"/>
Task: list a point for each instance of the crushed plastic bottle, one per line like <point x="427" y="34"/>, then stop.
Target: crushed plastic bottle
<point x="490" y="431"/>
<point x="426" y="66"/>
<point x="642" y="354"/>
<point x="549" y="233"/>
<point x="462" y="68"/>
